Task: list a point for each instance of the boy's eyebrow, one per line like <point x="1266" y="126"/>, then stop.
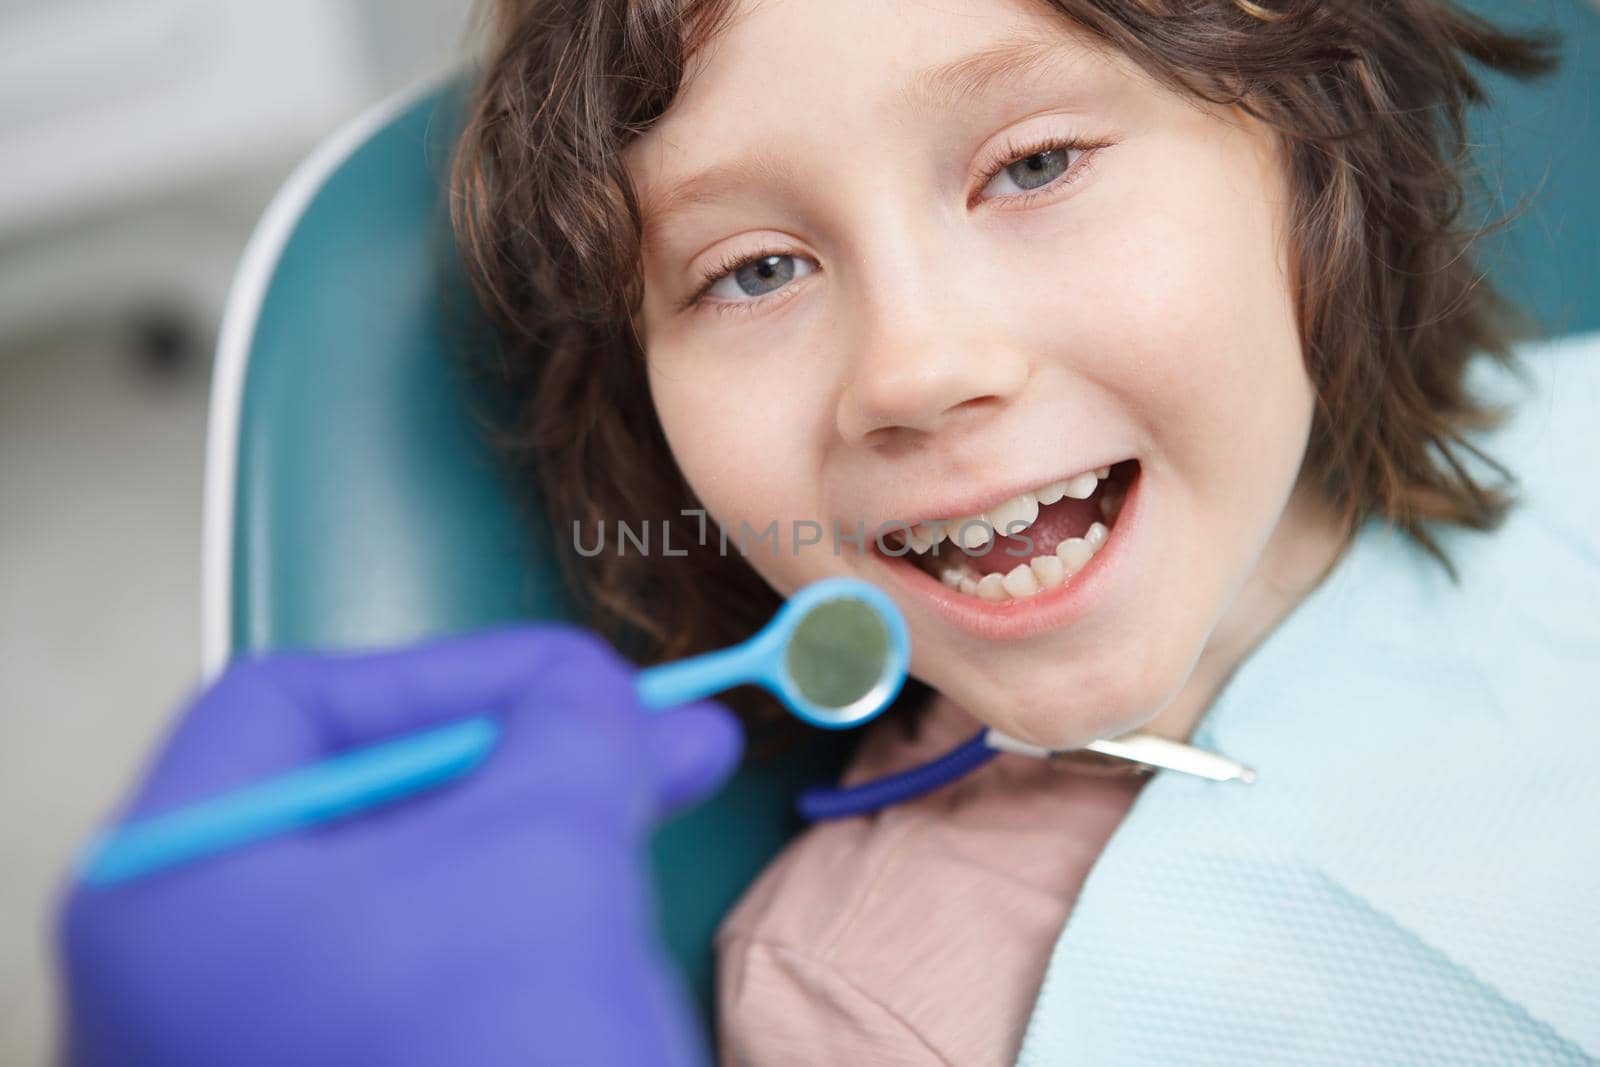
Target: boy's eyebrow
<point x="933" y="89"/>
<point x="941" y="87"/>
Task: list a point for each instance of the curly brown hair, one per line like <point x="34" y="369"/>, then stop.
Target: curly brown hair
<point x="1367" y="100"/>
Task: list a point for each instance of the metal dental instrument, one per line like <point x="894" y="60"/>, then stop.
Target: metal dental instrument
<point x="1145" y="750"/>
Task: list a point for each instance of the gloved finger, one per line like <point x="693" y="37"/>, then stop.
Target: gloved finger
<point x="577" y="744"/>
<point x="581" y="773"/>
<point x="693" y="751"/>
<point x="363" y="697"/>
<point x="235" y="731"/>
<point x="278" y="712"/>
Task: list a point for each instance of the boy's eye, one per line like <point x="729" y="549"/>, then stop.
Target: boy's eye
<point x="1034" y="171"/>
<point x="757" y="276"/>
<point x="739" y="283"/>
<point x="1030" y="167"/>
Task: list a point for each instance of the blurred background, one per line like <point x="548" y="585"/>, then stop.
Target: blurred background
<point x="140" y="141"/>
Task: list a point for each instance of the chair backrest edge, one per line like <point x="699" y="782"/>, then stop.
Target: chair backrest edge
<point x="231" y="364"/>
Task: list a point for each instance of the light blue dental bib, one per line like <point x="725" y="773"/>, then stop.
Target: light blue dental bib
<point x="1415" y="878"/>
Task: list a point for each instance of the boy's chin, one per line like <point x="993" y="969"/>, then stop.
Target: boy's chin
<point x="1065" y="732"/>
<point x="1061" y="727"/>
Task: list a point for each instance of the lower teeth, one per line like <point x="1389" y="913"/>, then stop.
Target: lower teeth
<point x="1111" y="504"/>
<point x="1034" y="576"/>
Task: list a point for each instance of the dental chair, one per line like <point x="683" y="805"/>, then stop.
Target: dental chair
<point x="350" y="501"/>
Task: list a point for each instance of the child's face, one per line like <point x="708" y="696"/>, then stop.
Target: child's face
<point x="929" y="341"/>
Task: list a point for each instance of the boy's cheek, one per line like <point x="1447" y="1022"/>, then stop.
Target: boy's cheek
<point x="728" y="444"/>
<point x="1186" y="299"/>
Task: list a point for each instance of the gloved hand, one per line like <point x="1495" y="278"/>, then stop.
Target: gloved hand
<point x="504" y="918"/>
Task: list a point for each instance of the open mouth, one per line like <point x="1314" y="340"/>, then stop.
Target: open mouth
<point x="1030" y="544"/>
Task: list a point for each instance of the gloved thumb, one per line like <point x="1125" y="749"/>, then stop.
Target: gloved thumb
<point x="694" y="750"/>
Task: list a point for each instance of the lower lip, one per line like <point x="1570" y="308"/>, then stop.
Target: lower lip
<point x="1011" y="620"/>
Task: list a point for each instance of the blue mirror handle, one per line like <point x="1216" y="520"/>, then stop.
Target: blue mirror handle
<point x="317" y="793"/>
<point x="669" y="685"/>
<point x="363" y="778"/>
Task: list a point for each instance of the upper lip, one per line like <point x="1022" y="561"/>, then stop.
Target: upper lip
<point x="980" y="501"/>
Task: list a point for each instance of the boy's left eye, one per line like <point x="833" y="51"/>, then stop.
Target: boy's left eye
<point x="1035" y="169"/>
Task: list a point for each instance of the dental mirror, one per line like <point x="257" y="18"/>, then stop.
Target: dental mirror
<point x="836" y="654"/>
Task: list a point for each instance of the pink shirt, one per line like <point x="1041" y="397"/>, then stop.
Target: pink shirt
<point x="919" y="935"/>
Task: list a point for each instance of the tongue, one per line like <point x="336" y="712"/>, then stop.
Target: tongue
<point x="1056" y="522"/>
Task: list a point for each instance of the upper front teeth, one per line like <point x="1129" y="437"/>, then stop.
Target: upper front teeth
<point x="1013" y="516"/>
<point x="1016" y="514"/>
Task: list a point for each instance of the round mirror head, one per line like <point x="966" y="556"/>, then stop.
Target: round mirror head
<point x="846" y="654"/>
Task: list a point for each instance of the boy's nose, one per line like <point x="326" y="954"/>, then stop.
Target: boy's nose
<point x="925" y="359"/>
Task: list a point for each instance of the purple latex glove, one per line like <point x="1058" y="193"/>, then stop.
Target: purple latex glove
<point x="504" y="918"/>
